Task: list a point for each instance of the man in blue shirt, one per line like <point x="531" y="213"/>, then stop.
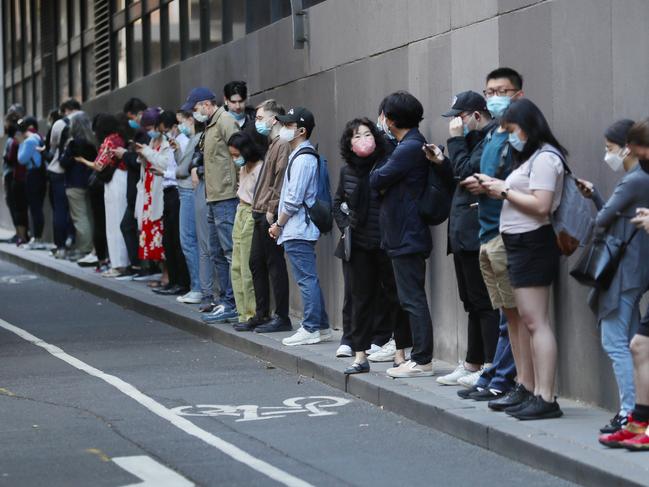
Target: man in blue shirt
<point x="35" y="183"/>
<point x="503" y="86"/>
<point x="295" y="230"/>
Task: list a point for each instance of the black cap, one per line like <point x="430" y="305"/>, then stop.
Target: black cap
<point x="617" y="132"/>
<point x="467" y="101"/>
<point x="299" y="115"/>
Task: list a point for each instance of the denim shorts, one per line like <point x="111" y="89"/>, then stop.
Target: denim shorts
<point x="533" y="257"/>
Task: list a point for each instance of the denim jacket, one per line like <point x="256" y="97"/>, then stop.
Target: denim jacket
<point x="300" y="190"/>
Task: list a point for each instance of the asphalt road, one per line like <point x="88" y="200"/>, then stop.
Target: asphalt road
<point x="126" y="399"/>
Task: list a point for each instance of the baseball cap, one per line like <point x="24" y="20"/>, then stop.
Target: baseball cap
<point x="196" y="95"/>
<point x="467" y="101"/>
<point x="299" y="115"/>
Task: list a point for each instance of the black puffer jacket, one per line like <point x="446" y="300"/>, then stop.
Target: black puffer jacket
<point x="367" y="235"/>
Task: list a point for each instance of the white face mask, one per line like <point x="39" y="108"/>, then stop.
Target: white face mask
<point x="286" y="134"/>
<point x="615" y="160"/>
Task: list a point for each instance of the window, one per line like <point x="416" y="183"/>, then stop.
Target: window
<point x="135" y="52"/>
<point x="29" y="28"/>
<point x="194" y="27"/>
<point x="120" y="51"/>
<point x="38" y="80"/>
<point x="62" y="11"/>
<point x="89" y="73"/>
<point x="37" y="30"/>
<point x="76" y="17"/>
<point x="154" y="53"/>
<point x="18" y="50"/>
<point x="216" y="23"/>
<point x="173" y="56"/>
<point x="235" y="25"/>
<point x="28" y="98"/>
<point x="120" y="5"/>
<point x="8" y="59"/>
<point x="89" y="19"/>
<point x="62" y="80"/>
<point x="76" y="81"/>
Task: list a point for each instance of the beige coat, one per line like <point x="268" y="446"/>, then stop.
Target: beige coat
<point x="220" y="172"/>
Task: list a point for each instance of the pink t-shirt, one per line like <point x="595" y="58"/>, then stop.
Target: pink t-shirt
<point x="546" y="174"/>
<point x="247" y="180"/>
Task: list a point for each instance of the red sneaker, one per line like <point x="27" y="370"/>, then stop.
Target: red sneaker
<point x="631" y="430"/>
<point x="637" y="443"/>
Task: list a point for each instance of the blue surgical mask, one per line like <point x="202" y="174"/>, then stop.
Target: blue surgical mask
<point x="465" y="129"/>
<point x="199" y="117"/>
<point x="133" y="124"/>
<point x="185" y="130"/>
<point x="238" y="116"/>
<point x="262" y="127"/>
<point x="154" y="134"/>
<point x="497" y="105"/>
<point x="386" y="131"/>
<point x="239" y="161"/>
<point x="516" y="142"/>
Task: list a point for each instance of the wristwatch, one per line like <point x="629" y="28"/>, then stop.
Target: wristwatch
<point x="504" y="193"/>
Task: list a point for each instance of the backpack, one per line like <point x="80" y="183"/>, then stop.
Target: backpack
<point x="65" y="135"/>
<point x="435" y="202"/>
<point x="321" y="213"/>
<point x="572" y="221"/>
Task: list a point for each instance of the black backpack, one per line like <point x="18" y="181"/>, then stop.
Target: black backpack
<point x="435" y="202"/>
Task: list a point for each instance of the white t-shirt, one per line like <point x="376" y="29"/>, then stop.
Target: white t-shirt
<point x="546" y="174"/>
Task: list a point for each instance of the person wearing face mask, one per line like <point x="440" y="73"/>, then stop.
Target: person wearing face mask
<point x="376" y="310"/>
<point x="220" y="176"/>
<point x="513" y="354"/>
<point x="618" y="307"/>
<point x="295" y="230"/>
<point x="633" y="436"/>
<point x="530" y="194"/>
<point x="160" y="154"/>
<point x="469" y="125"/>
<point x="134" y="108"/>
<point x="267" y="262"/>
<point x="235" y="96"/>
<point x="248" y="158"/>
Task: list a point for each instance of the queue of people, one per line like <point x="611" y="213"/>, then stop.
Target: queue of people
<point x="208" y="203"/>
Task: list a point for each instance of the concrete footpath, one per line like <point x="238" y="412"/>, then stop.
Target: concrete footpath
<point x="566" y="447"/>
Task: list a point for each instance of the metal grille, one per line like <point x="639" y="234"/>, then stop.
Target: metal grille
<point x="102" y="46"/>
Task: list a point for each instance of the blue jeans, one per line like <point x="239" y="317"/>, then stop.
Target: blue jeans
<point x="188" y="238"/>
<point x="61" y="221"/>
<point x="220" y="219"/>
<point x="501" y="374"/>
<point x="301" y="255"/>
<point x="617" y="329"/>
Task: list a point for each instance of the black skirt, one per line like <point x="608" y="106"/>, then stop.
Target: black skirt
<point x="532" y="257"/>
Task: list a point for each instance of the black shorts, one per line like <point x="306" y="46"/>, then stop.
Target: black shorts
<point x="533" y="257"/>
<point x="643" y="329"/>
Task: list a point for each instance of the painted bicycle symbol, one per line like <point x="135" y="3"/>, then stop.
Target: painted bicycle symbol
<point x="17" y="279"/>
<point x="313" y="406"/>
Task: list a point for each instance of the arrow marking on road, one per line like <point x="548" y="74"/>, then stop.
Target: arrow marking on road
<point x="152" y="473"/>
<point x="158" y="409"/>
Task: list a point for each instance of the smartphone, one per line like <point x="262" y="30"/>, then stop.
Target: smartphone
<point x="474" y="205"/>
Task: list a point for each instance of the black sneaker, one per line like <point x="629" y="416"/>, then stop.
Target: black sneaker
<point x="249" y="325"/>
<point x="617" y="423"/>
<point x="518" y="407"/>
<point x="486" y="395"/>
<point x="538" y="408"/>
<point x="276" y="324"/>
<point x="513" y="398"/>
<point x="465" y="393"/>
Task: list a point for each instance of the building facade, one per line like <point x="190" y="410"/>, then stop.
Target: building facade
<point x="584" y="63"/>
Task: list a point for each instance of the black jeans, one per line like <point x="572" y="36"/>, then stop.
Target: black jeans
<point x="128" y="225"/>
<point x="99" y="218"/>
<point x="36" y="187"/>
<point x="410" y="277"/>
<point x="9" y="197"/>
<point x="483" y="319"/>
<point x="347" y="305"/>
<point x="19" y="195"/>
<point x="267" y="259"/>
<point x="376" y="311"/>
<point x="176" y="265"/>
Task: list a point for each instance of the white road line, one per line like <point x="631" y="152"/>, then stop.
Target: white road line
<point x="155" y="407"/>
<point x="152" y="473"/>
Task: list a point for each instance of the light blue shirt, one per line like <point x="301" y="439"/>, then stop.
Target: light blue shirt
<point x="301" y="189"/>
<point x="27" y="153"/>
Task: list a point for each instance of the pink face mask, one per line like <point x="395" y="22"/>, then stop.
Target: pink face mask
<point x="364" y="146"/>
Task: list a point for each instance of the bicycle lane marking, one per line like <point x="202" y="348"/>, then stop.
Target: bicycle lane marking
<point x="158" y="409"/>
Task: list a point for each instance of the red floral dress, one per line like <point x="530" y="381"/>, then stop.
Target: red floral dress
<point x="151" y="235"/>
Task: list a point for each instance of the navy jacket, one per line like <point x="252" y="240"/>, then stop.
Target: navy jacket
<point x="76" y="173"/>
<point x="463" y="225"/>
<point x="402" y="180"/>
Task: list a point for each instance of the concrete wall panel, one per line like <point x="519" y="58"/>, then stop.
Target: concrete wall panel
<point x="466" y="12"/>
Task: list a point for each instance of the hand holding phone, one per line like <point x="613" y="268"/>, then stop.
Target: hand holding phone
<point x="434" y="153"/>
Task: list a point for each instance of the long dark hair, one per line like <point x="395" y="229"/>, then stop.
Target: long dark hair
<point x="105" y="124"/>
<point x="244" y="143"/>
<point x="346" y="139"/>
<point x="529" y="117"/>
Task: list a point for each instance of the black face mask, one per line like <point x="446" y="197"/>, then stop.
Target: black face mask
<point x="644" y="164"/>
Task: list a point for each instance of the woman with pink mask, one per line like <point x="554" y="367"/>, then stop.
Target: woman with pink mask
<point x="374" y="295"/>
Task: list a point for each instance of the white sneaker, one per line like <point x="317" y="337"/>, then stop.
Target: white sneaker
<point x="344" y="351"/>
<point x="326" y="335"/>
<point x="385" y="353"/>
<point x="192" y="297"/>
<point x="452" y="378"/>
<point x="34" y="244"/>
<point x="373" y="349"/>
<point x="111" y="273"/>
<point x="148" y="277"/>
<point x="411" y="369"/>
<point x="470" y="379"/>
<point x="89" y="259"/>
<point x="302" y="337"/>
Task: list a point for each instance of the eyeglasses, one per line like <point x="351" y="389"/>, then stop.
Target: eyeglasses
<point x="499" y="91"/>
